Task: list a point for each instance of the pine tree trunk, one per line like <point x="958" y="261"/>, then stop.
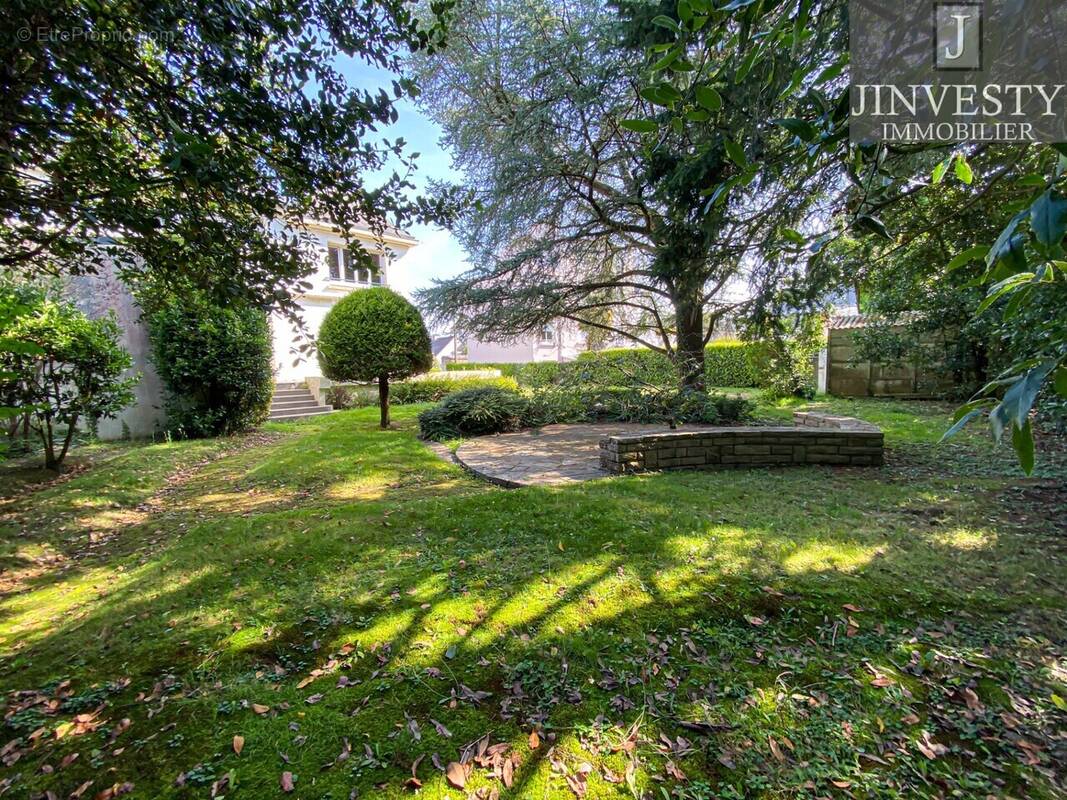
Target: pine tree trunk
<point x="689" y="353"/>
<point x="383" y="399"/>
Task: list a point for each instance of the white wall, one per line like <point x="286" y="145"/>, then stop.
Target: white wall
<point x="320" y="298"/>
<point x="96" y="295"/>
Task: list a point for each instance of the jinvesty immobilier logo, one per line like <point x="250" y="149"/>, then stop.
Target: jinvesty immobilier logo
<point x="925" y="70"/>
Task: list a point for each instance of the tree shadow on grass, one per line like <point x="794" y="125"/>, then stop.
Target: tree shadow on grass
<point x="709" y="600"/>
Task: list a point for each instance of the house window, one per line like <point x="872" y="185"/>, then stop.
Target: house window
<point x="333" y="260"/>
<point x="548" y="335"/>
<point x="340" y="260"/>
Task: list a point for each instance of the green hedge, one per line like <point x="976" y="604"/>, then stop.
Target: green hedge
<point x="428" y="390"/>
<point x="726" y="363"/>
<point x="533" y="373"/>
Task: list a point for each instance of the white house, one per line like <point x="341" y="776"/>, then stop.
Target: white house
<point x="337" y="276"/>
<point x="560" y="341"/>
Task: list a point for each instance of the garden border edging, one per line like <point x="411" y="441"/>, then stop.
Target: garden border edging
<point x="814" y="439"/>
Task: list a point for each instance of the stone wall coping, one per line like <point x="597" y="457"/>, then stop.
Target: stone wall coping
<point x="808" y="424"/>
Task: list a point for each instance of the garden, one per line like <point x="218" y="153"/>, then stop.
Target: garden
<point x="662" y="564"/>
<point x="328" y="609"/>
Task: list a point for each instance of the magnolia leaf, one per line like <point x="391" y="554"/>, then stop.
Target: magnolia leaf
<point x="735" y="152"/>
<point x="1022" y="439"/>
<point x="967" y="256"/>
<point x="709" y="98"/>
<point x="1048" y="218"/>
<point x="1060" y="381"/>
<point x="871" y="224"/>
<point x="639" y="125"/>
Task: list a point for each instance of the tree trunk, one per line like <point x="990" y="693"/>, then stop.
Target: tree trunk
<point x="383" y="399"/>
<point x="689" y="352"/>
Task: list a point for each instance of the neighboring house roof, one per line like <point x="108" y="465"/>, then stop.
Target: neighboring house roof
<point x="439" y="343"/>
<point x="847" y="321"/>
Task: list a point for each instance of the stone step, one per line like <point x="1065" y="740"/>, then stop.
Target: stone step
<point x="292" y="393"/>
<point x="295" y="407"/>
<point x="287" y="402"/>
<point x="289" y="416"/>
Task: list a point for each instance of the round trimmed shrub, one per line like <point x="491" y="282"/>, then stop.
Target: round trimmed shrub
<point x="215" y="363"/>
<point x="374" y="335"/>
<point x="474" y="412"/>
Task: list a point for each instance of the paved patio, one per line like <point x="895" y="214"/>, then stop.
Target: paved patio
<point x="553" y="455"/>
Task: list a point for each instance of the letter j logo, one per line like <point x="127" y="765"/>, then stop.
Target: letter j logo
<point x="957" y="36"/>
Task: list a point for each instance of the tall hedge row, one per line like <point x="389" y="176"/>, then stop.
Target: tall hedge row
<point x="726" y="363"/>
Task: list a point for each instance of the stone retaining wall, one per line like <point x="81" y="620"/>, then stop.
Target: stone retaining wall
<point x="815" y="439"/>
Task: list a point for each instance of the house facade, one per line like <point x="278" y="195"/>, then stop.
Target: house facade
<point x="337" y="276"/>
<point x="559" y="341"/>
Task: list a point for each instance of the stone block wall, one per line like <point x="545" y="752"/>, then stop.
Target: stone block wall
<point x="814" y="439"/>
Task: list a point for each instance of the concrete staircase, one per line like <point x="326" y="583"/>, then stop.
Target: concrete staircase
<point x="294" y="401"/>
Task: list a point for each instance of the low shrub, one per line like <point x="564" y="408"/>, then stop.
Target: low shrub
<point x="481" y="411"/>
<point x="474" y="412"/>
<point x="785" y="359"/>
<point x="567" y="405"/>
<point x="429" y="390"/>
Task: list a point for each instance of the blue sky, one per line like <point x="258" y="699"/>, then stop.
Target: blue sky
<point x="438" y="254"/>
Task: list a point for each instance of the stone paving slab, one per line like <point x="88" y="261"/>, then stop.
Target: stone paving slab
<point x="549" y="456"/>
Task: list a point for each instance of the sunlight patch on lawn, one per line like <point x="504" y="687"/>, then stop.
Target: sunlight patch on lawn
<point x="965" y="538"/>
<point x="239" y="502"/>
<point x="826" y="556"/>
<point x="365" y="487"/>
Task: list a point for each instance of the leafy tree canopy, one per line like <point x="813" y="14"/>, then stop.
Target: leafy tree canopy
<point x="597" y="203"/>
<point x="181" y="129"/>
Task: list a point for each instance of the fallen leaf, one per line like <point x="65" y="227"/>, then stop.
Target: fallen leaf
<point x="287" y="781"/>
<point x="535" y="740"/>
<point x="456" y="774"/>
<point x="776" y="751"/>
<point x="311" y="700"/>
<point x="757" y="621"/>
<point x="238" y="744"/>
<point x="260" y="709"/>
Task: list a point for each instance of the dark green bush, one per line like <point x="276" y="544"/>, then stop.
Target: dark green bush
<point x="428" y="390"/>
<point x="589" y="403"/>
<point x="214" y="362"/>
<point x="474" y="412"/>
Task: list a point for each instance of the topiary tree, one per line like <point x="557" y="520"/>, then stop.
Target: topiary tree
<point x="374" y="335"/>
<point x="59" y="367"/>
<point x="215" y="362"/>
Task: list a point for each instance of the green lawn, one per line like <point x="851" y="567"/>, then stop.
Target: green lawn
<point x="358" y="611"/>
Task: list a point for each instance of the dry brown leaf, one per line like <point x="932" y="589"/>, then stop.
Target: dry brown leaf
<point x="776" y="751"/>
<point x="757" y="621"/>
<point x="456" y="774"/>
<point x="535" y="740"/>
<point x="260" y="708"/>
<point x="507" y="772"/>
